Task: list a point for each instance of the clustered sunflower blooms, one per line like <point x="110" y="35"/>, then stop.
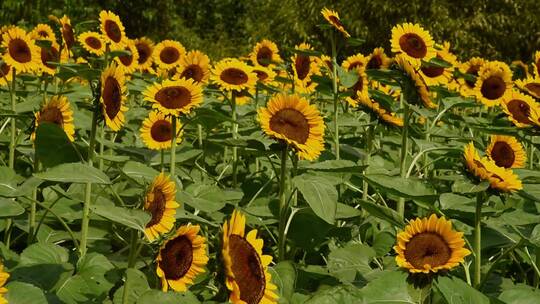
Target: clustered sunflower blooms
<point x="333" y="18"/>
<point x="48" y="55"/>
<point x="421" y="88"/>
<point x="195" y="65"/>
<point x="413" y="43"/>
<point x="174" y="97"/>
<point x="156" y="131"/>
<point x="57" y="111"/>
<point x="519" y="107"/>
<point x="530" y="85"/>
<point x="435" y="75"/>
<point x="43" y="32"/>
<point x="160" y="202"/>
<point x="113" y="97"/>
<point x="469" y="70"/>
<point x="430" y="245"/>
<point x="167" y="54"/>
<point x="233" y="75"/>
<point x="265" y="53"/>
<point x="494" y="83"/>
<point x="21" y="53"/>
<point x="378" y="60"/>
<point x="128" y="63"/>
<point x="92" y="42"/>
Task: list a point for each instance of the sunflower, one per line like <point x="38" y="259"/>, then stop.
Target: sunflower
<point x="4" y="276"/>
<point x="333" y="18"/>
<point x="502" y="179"/>
<point x="518" y="107"/>
<point x="470" y="68"/>
<point x="233" y="74"/>
<point x="6" y="73"/>
<point x="145" y="49"/>
<point x="246" y="267"/>
<point x="520" y="69"/>
<point x="494" y="83"/>
<point x="536" y="64"/>
<point x="529" y="85"/>
<point x="112" y="29"/>
<point x="194" y="65"/>
<point x="172" y="97"/>
<point x="305" y="66"/>
<point x="43" y="32"/>
<point x="384" y="114"/>
<point x="265" y="53"/>
<point x="181" y="258"/>
<point x="360" y="88"/>
<point x="128" y="63"/>
<point x="422" y="90"/>
<point x="535" y="115"/>
<point x="413" y="42"/>
<point x="506" y="152"/>
<point x="438" y="75"/>
<point x="378" y="59"/>
<point x="49" y="54"/>
<point x="292" y="119"/>
<point x="326" y="62"/>
<point x="113" y="97"/>
<point x="265" y="75"/>
<point x="68" y="36"/>
<point x="168" y="53"/>
<point x="430" y="245"/>
<point x="58" y="112"/>
<point x="21" y="52"/>
<point x="160" y="203"/>
<point x="156" y="131"/>
<point x="355" y="62"/>
<point x="92" y="42"/>
<point x="474" y="163"/>
<point x="243" y="97"/>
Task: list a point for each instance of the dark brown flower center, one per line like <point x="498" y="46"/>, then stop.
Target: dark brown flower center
<point x="112" y="97"/>
<point x="169" y="55"/>
<point x="478" y="164"/>
<point x="302" y="65"/>
<point x="355" y="64"/>
<point x="126" y="59"/>
<point x="19" y="50"/>
<point x="175" y="97"/>
<point x="375" y="62"/>
<point x="432" y="71"/>
<point x="113" y="31"/>
<point x="264" y="56"/>
<point x="357" y="87"/>
<point x="4" y="69"/>
<point x="261" y="75"/>
<point x="176" y="258"/>
<point x="291" y="123"/>
<point x="49" y="55"/>
<point x="503" y="154"/>
<point x="534" y="88"/>
<point x="427" y="248"/>
<point x="67" y="33"/>
<point x="93" y="42"/>
<point x="234" y="76"/>
<point x="413" y="45"/>
<point x="520" y="110"/>
<point x="144" y="51"/>
<point x="156" y="207"/>
<point x="247" y="269"/>
<point x="493" y="87"/>
<point x="335" y="20"/>
<point x="52" y="115"/>
<point x="161" y="130"/>
<point x="193" y="71"/>
<point x="43" y="34"/>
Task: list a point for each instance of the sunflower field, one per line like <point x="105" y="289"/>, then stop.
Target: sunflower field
<point x="140" y="171"/>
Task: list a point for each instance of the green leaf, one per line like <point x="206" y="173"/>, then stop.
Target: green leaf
<point x="24" y="293"/>
<point x="466" y="186"/>
<point x="335" y="166"/>
<point x="356" y="41"/>
<point x="8" y="181"/>
<point x="455" y="291"/>
<point x="340" y="294"/>
<point x="345" y="211"/>
<point x="74" y="173"/>
<point x="139" y="171"/>
<point x="345" y="263"/>
<point x="156" y="296"/>
<point x="53" y="147"/>
<point x="138" y="285"/>
<point x="520" y="294"/>
<point x="383" y="242"/>
<point x="44" y="253"/>
<point x="208" y="198"/>
<point x="383" y="213"/>
<point x="284" y="276"/>
<point x="9" y="207"/>
<point x="347" y="78"/>
<point x="132" y="218"/>
<point x="389" y="287"/>
<point x="404" y="187"/>
<point x="320" y="196"/>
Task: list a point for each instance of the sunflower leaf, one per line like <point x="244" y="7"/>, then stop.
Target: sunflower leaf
<point x="319" y="195"/>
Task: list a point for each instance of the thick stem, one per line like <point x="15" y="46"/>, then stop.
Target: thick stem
<point x="335" y="91"/>
<point x="282" y="203"/>
<point x="477" y="275"/>
<point x="101" y="146"/>
<point x="162" y="167"/>
<point x="131" y="262"/>
<point x="403" y="153"/>
<point x="235" y="136"/>
<point x="369" y="148"/>
<point x="12" y="143"/>
<point x="531" y="154"/>
<point x="33" y="208"/>
<point x="200" y="135"/>
<point x="173" y="148"/>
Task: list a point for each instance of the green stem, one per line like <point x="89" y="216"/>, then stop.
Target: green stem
<point x="403" y="154"/>
<point x="531" y="154"/>
<point x="282" y="203"/>
<point x="235" y="136"/>
<point x="131" y="262"/>
<point x="200" y="135"/>
<point x="477" y="275"/>
<point x="32" y="216"/>
<point x="101" y="146"/>
<point x="497" y="260"/>
<point x="162" y="167"/>
<point x="369" y="148"/>
<point x="12" y="142"/>
<point x="173" y="147"/>
<point x="335" y="91"/>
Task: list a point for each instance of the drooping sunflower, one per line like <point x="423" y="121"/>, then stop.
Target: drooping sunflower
<point x="264" y="75"/>
<point x="48" y="55"/>
<point x="475" y="164"/>
<point x="128" y="63"/>
<point x="413" y="42"/>
<point x="57" y="111"/>
<point x="233" y="74"/>
<point x="246" y="268"/>
<point x="265" y="53"/>
<point x="333" y="18"/>
<point x="156" y="131"/>
<point x="92" y="42"/>
<point x="430" y="245"/>
<point x="68" y="36"/>
<point x="384" y="114"/>
<point x="506" y="152"/>
<point x="21" y="53"/>
<point x="145" y="49"/>
<point x="181" y="258"/>
<point x="243" y="97"/>
<point x="520" y="69"/>
<point x="494" y="83"/>
<point x="6" y="73"/>
<point x="4" y="276"/>
<point x="470" y="70"/>
<point x="112" y="29"/>
<point x="433" y="75"/>
<point x="113" y="97"/>
<point x="502" y="179"/>
<point x="378" y="59"/>
<point x="536" y="64"/>
<point x="422" y="90"/>
<point x="355" y="62"/>
<point x="173" y="97"/>
<point x="43" y="32"/>
<point x="529" y="85"/>
<point x="168" y="53"/>
<point x="518" y="107"/>
<point x="292" y="119"/>
<point x="194" y="65"/>
<point x="161" y="204"/>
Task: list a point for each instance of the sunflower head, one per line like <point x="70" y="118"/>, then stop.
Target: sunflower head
<point x="233" y="75"/>
<point x="92" y="42"/>
<point x="373" y="106"/>
<point x="160" y="202"/>
<point x="494" y="83"/>
<point x="264" y="75"/>
<point x="304" y="66"/>
<point x="43" y="32"/>
<point x="6" y="73"/>
<point x="128" y="63"/>
<point x="355" y="62"/>
<point x="413" y="42"/>
<point x="378" y="60"/>
<point x="292" y="119"/>
<point x="474" y="163"/>
<point x="112" y="29"/>
<point x="434" y="75"/>
<point x="506" y="152"/>
<point x="529" y="85"/>
<point x="145" y="49"/>
<point x="470" y="69"/>
<point x="265" y="53"/>
<point x="21" y="53"/>
<point x="174" y="97"/>
<point x="57" y="111"/>
<point x="113" y="97"/>
<point x="430" y="245"/>
<point x="181" y="258"/>
<point x="194" y="65"/>
<point x="333" y="18"/>
<point x="421" y="89"/>
<point x="48" y="55"/>
<point x="246" y="268"/>
<point x="68" y="35"/>
<point x="168" y="53"/>
<point x="156" y="131"/>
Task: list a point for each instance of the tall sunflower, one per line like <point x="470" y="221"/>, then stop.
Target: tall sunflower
<point x="4" y="276"/>
<point x="112" y="29"/>
<point x="21" y="53"/>
<point x="57" y="111"/>
<point x="161" y="204"/>
<point x="384" y="114"/>
<point x="156" y="131"/>
<point x="333" y="18"/>
<point x="128" y="63"/>
<point x="92" y="42"/>
<point x="529" y="85"/>
<point x="422" y="90"/>
<point x="470" y="69"/>
<point x="194" y="65"/>
<point x="168" y="53"/>
<point x="265" y="53"/>
<point x="233" y="74"/>
<point x="413" y="42"/>
<point x="113" y="97"/>
<point x="430" y="245"/>
<point x="145" y="49"/>
<point x="378" y="59"/>
<point x="173" y="97"/>
<point x="47" y="55"/>
<point x="181" y="258"/>
<point x="494" y="83"/>
<point x="506" y="152"/>
<point x="68" y="36"/>
<point x="438" y="75"/>
<point x="246" y="267"/>
<point x="43" y="32"/>
<point x="518" y="107"/>
<point x="474" y="163"/>
<point x="292" y="119"/>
